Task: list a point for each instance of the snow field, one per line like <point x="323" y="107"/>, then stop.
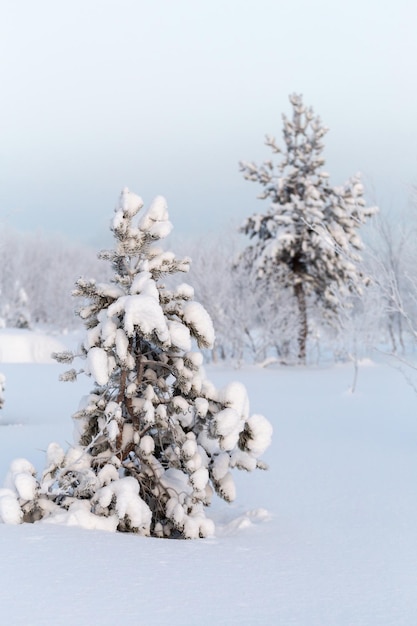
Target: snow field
<point x="326" y="536"/>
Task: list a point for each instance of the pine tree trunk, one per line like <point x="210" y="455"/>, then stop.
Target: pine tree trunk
<point x="303" y="325"/>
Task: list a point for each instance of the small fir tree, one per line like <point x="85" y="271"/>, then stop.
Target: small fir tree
<point x="154" y="438"/>
<point x="15" y="312"/>
<point x="307" y="241"/>
<point x="21" y="315"/>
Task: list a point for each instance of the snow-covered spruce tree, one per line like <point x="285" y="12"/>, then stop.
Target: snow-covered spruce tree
<point x="307" y="241"/>
<point x="154" y="437"/>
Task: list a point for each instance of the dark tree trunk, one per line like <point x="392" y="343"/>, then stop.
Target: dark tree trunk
<point x="303" y="325"/>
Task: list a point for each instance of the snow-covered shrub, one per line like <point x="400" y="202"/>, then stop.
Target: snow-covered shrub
<point x="154" y="439"/>
<point x="391" y="262"/>
<point x="307" y="241"/>
<point x="37" y="273"/>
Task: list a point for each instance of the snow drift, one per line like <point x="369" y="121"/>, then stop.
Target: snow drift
<point x="25" y="346"/>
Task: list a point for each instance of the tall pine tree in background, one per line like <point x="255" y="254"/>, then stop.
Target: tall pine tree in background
<point x="154" y="437"/>
<point x="307" y="241"/>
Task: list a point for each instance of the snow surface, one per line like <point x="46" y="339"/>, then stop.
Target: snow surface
<point x="26" y="346"/>
<point x="327" y="536"/>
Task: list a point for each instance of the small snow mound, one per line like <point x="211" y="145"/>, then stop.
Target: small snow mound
<point x="79" y="514"/>
<point x="26" y="346"/>
<point x="366" y="362"/>
<point x="247" y="520"/>
<point x="259" y="515"/>
<point x="271" y="360"/>
<point x="10" y="511"/>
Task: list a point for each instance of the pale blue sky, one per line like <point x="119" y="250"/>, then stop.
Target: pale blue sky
<point x="166" y="96"/>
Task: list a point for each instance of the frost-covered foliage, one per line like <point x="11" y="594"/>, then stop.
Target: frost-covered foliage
<point x="251" y="321"/>
<point x="37" y="273"/>
<point x="307" y="241"/>
<point x="154" y="439"/>
<point x="392" y="261"/>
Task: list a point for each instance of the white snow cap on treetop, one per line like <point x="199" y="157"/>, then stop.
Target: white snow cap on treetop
<point x="155" y="221"/>
<point x="129" y="202"/>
